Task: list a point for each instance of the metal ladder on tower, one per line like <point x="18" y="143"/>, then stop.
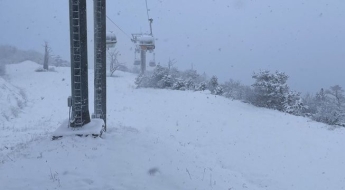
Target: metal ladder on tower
<point x="98" y="69"/>
<point x="77" y="102"/>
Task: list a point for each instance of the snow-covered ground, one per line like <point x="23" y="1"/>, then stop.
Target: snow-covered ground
<point x="163" y="139"/>
<point x="12" y="100"/>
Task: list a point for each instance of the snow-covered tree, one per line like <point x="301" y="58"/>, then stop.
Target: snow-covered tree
<point x="143" y="81"/>
<point x="234" y="90"/>
<point x="218" y="90"/>
<point x="190" y="77"/>
<point x="201" y="87"/>
<point x="174" y="72"/>
<point x="337" y="94"/>
<point x="327" y="113"/>
<point x="172" y="78"/>
<point x="213" y="84"/>
<point x="114" y="62"/>
<point x="171" y="63"/>
<point x="59" y="62"/>
<point x="179" y="85"/>
<point x="160" y="77"/>
<point x="270" y="89"/>
<point x="293" y="103"/>
<point x="248" y="95"/>
<point x="190" y="74"/>
<point x="310" y="105"/>
<point x="166" y="82"/>
<point x="330" y="106"/>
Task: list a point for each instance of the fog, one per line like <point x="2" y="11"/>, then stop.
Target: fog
<point x="227" y="38"/>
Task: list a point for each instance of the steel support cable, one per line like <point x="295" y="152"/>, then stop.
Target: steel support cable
<point x="118" y="27"/>
<point x="147" y="11"/>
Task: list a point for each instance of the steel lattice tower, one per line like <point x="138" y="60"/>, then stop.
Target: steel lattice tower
<point x="100" y="59"/>
<point x="79" y="64"/>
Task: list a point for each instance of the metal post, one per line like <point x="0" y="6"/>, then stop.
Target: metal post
<point x="143" y="60"/>
<point x="100" y="59"/>
<point x="79" y="65"/>
<point x="151" y="20"/>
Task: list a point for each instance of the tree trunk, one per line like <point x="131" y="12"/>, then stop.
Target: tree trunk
<point x="46" y="56"/>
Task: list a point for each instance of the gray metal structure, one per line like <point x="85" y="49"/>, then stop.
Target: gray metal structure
<point x="144" y="42"/>
<point x="143" y="60"/>
<point x="79" y="64"/>
<point x="100" y="92"/>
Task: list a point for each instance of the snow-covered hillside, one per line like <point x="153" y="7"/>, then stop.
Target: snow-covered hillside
<point x="163" y="139"/>
<point x="12" y="101"/>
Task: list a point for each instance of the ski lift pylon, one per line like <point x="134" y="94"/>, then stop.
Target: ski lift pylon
<point x="144" y="43"/>
<point x="137" y="49"/>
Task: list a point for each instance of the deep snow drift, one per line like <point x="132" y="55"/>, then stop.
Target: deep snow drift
<point x="163" y="139"/>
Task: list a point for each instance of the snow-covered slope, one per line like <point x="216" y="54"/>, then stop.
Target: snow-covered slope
<point x="163" y="139"/>
<point x="12" y="101"/>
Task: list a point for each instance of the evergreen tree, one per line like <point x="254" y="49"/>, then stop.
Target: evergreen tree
<point x="338" y="95"/>
<point x="213" y="84"/>
<point x="309" y="101"/>
<point x="159" y="73"/>
<point x="270" y="89"/>
<point x="201" y="86"/>
<point x="218" y="90"/>
<point x="233" y="89"/>
<point x="293" y="103"/>
<point x="179" y="85"/>
<point x="166" y="82"/>
<point x="143" y="81"/>
<point x="330" y="106"/>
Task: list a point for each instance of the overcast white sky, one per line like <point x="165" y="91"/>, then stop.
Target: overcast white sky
<point x="228" y="38"/>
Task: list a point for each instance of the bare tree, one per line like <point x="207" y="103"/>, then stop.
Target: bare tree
<point x="171" y="63"/>
<point x="114" y="62"/>
<point x="47" y="51"/>
<point x="338" y="93"/>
